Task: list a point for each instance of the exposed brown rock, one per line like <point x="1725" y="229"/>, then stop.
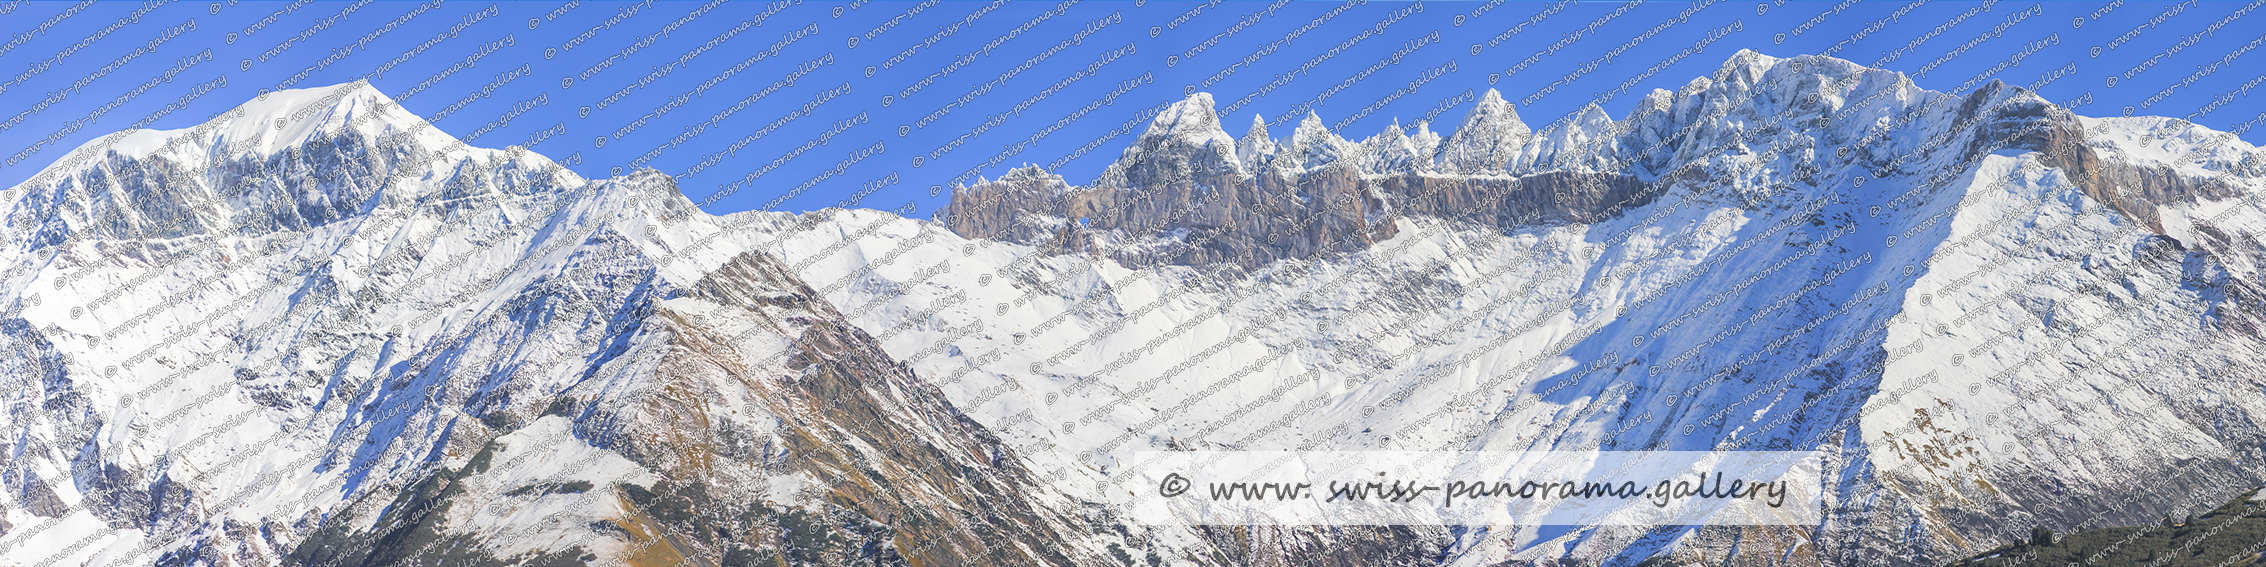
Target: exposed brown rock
<point x="1251" y="221"/>
<point x="1245" y="221"/>
<point x="2025" y="122"/>
<point x="932" y="486"/>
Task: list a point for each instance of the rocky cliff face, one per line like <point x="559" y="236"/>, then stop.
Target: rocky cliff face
<point x="1224" y="219"/>
<point x="1187" y="193"/>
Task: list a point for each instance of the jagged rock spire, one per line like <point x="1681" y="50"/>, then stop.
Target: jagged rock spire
<point x="1584" y="139"/>
<point x="1427" y="144"/>
<point x="1392" y="151"/>
<point x="1313" y="146"/>
<point x="1256" y="147"/>
<point x="1184" y="142"/>
<point x="1490" y="136"/>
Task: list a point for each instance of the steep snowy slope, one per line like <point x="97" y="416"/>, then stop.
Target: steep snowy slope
<point x="1967" y="299"/>
<point x="315" y="331"/>
<point x="320" y="340"/>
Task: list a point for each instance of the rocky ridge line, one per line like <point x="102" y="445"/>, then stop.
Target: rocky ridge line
<point x="1187" y="193"/>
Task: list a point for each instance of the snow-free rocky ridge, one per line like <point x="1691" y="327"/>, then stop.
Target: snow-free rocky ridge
<point x="317" y="331"/>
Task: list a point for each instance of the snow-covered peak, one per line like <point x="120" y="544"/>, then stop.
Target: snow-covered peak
<point x="1253" y="149"/>
<point x="1491" y="134"/>
<point x="1191" y="121"/>
<point x="1032" y="174"/>
<point x="272" y="123"/>
<point x="292" y="117"/>
<point x="288" y="160"/>
<point x="1313" y="145"/>
<point x="1392" y="151"/>
<point x="1745" y="66"/>
<point x="1494" y="111"/>
<point x="1582" y="140"/>
<point x="1692" y="89"/>
<point x="1592" y="116"/>
<point x="1426" y="140"/>
<point x="1659" y="100"/>
<point x="1310" y="130"/>
<point x="1185" y="142"/>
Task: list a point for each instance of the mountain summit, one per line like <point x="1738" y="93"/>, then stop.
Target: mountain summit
<point x="316" y="331"/>
<point x="1183" y="143"/>
<point x="287" y="161"/>
<point x="1488" y="140"/>
<point x="1792" y="253"/>
<point x="1757" y="118"/>
<point x="335" y="343"/>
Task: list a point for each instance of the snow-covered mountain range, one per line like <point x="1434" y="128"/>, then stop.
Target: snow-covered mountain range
<point x="317" y="331"/>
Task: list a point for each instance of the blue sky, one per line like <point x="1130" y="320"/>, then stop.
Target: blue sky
<point x="802" y="106"/>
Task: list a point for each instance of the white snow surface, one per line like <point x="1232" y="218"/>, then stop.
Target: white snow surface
<point x="1993" y="342"/>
